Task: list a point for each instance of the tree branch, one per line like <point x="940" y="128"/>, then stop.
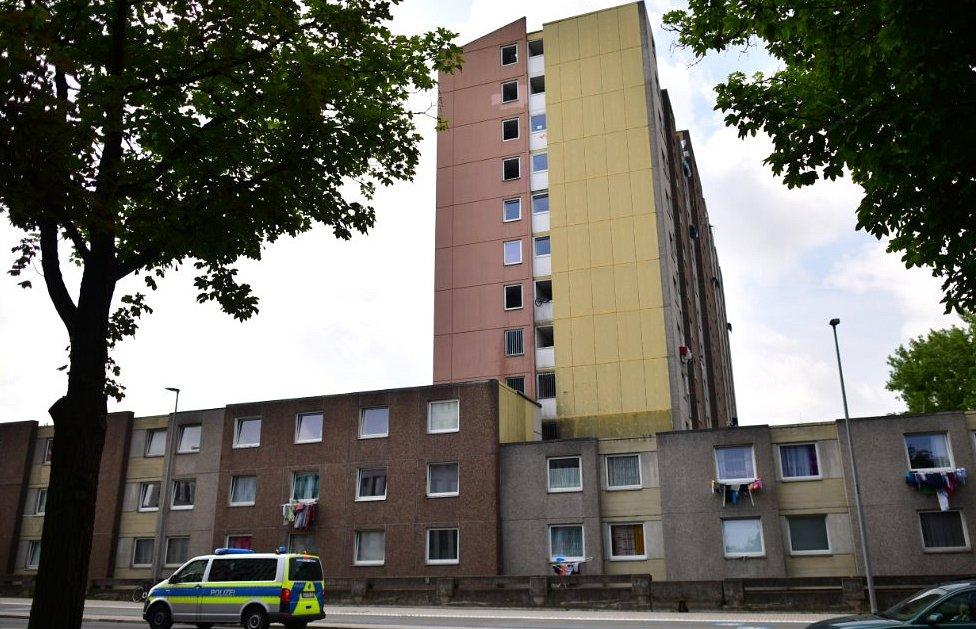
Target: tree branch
<point x="53" y="278"/>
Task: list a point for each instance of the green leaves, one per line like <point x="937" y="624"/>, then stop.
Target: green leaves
<point x="883" y="89"/>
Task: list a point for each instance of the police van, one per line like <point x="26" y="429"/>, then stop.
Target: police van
<point x="240" y="587"/>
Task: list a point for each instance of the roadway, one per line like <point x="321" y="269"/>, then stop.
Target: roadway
<point x="116" y="615"/>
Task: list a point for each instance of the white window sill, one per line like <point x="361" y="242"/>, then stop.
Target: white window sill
<point x="319" y="440"/>
<point x="370" y="498"/>
<point x="241" y="446"/>
<point x="239" y="504"/>
<point x="512" y="263"/>
<point x="564" y="490"/>
<point x="954" y="549"/>
<point x="747" y="556"/>
<point x="370" y="563"/>
<point x="443" y="432"/>
<point x="811" y="553"/>
<point x="443" y="562"/>
<point x="800" y="479"/>
<point x="147" y="510"/>
<point x="181" y="508"/>
<point x="197" y="451"/>
<point x="735" y="481"/>
<point x="932" y="470"/>
<point x="152" y="456"/>
<point x="511" y="220"/>
<point x="566" y="559"/>
<point x="629" y="558"/>
<point x="34" y="515"/>
<point x="172" y="565"/>
<point x="625" y="488"/>
<point x="382" y="436"/>
<point x="306" y="501"/>
<point x="449" y="494"/>
<point x="140" y="565"/>
<point x="514" y="308"/>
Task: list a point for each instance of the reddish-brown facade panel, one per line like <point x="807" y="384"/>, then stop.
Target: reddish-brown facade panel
<point x="17" y="445"/>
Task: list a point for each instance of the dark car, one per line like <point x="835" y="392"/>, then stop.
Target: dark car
<point x="950" y="605"/>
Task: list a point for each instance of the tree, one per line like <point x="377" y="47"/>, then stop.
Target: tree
<point x="883" y="88"/>
<point x="937" y="372"/>
<point x="150" y="135"/>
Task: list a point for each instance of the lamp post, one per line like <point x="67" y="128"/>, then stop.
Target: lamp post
<point x="171" y="437"/>
<point x="872" y="599"/>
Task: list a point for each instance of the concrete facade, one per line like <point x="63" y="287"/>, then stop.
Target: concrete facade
<point x="17" y="442"/>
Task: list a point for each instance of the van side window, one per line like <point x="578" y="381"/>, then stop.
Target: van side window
<point x="191" y="572"/>
<point x="304" y="569"/>
<point x="243" y="570"/>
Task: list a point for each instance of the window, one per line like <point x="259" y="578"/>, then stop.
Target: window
<point x="510" y="129"/>
<point x="40" y="503"/>
<point x="537" y="122"/>
<point x="928" y="451"/>
<point x="511" y="210"/>
<point x="374" y="422"/>
<point x="142" y="552"/>
<point x="442" y="480"/>
<point x="148" y="496"/>
<point x="540" y="162"/>
<point x="566" y="542"/>
<point x="247" y="433"/>
<point x="514" y="344"/>
<point x="799" y="461"/>
<point x="542" y="246"/>
<point x="958" y="611"/>
<point x="304" y="569"/>
<point x="624" y="471"/>
<point x="743" y="538"/>
<point x="302" y="544"/>
<point x="735" y="465"/>
<point x="243" y="490"/>
<point x="442" y="546"/>
<point x="234" y="569"/>
<point x="540" y="203"/>
<point x="444" y="416"/>
<point x="155" y="442"/>
<point x="543" y="292"/>
<point x="546" y="385"/>
<point x="191" y="572"/>
<point x="513" y="296"/>
<point x="308" y="428"/>
<point x="564" y="474"/>
<point x="33" y="554"/>
<point x="512" y="252"/>
<point x="509" y="54"/>
<point x="48" y="450"/>
<point x="943" y="530"/>
<point x="808" y="535"/>
<point x="177" y="550"/>
<point x="537" y="85"/>
<point x="517" y="383"/>
<point x="239" y="541"/>
<point x="371" y="485"/>
<point x="305" y="486"/>
<point x="544" y="337"/>
<point x="183" y="493"/>
<point x="370" y="548"/>
<point x="626" y="541"/>
<point x="509" y="91"/>
<point x="189" y="439"/>
<point x="511" y="168"/>
<point x="535" y="48"/>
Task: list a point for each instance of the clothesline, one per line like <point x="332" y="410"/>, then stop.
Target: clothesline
<point x="733" y="492"/>
<point x="940" y="484"/>
<point x="301" y="515"/>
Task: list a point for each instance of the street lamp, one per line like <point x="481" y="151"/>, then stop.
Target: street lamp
<point x="171" y="437"/>
<point x="872" y="599"/>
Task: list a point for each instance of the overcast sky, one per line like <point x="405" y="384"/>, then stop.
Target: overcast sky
<point x="347" y="316"/>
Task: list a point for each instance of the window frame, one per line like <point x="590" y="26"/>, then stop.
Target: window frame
<point x="442" y="431"/>
<point x="356" y="561"/>
<point x="762" y="539"/>
<point x="793" y="479"/>
<point x="508" y="383"/>
<point x="362" y="418"/>
<point x="359" y="480"/>
<point x="149" y="433"/>
<point x="505" y="305"/>
<point x="539" y="194"/>
<point x="294" y="478"/>
<point x="640" y="472"/>
<point x="582" y="529"/>
<point x="521" y="331"/>
<point x="518" y="160"/>
<point x="718" y="469"/>
<point x="298" y="426"/>
<point x="502" y="92"/>
<point x="563" y="490"/>
<point x="172" y="496"/>
<point x="41" y="491"/>
<point x="238" y="423"/>
<point x="608" y="527"/>
<point x="807" y="553"/>
<point x="48" y="453"/>
<point x="444" y="494"/>
<point x="543" y="90"/>
<point x="230" y="496"/>
<point x="501" y="54"/>
<point x="529" y="47"/>
<point x="33" y="559"/>
<point x="535" y="246"/>
<point x="179" y="442"/>
<point x="228" y="537"/>
<point x="135" y="546"/>
<point x="521" y="257"/>
<point x="532" y="157"/>
<point x="518" y="129"/>
<point x="166" y="564"/>
<point x="545" y="118"/>
<point x="142" y="495"/>
<point x="926" y="470"/>
<point x="946" y="549"/>
<point x="505" y="219"/>
<point x="443" y="562"/>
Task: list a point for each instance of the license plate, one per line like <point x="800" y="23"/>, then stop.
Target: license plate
<point x="308" y="594"/>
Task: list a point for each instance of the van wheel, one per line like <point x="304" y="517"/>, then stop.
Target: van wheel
<point x="159" y="617"/>
<point x="254" y="618"/>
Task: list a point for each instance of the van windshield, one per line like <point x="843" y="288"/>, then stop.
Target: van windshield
<point x="304" y="569"/>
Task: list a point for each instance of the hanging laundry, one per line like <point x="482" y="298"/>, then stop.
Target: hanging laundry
<point x="288" y="513"/>
<point x="943" y="499"/>
<point x="939" y="484"/>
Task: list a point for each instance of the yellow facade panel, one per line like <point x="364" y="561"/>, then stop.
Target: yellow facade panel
<point x="589" y="35"/>
<point x="639" y="148"/>
<point x="605" y="340"/>
<point x="609" y="30"/>
<point x="618" y="154"/>
<point x="578" y="247"/>
<point x="574" y="165"/>
<point x="601" y="250"/>
<point x="611" y="69"/>
<point x="572" y="119"/>
<point x="807" y="432"/>
<point x="591" y="83"/>
<point x="641" y="190"/>
<point x="825" y="566"/>
<point x="592" y="115"/>
<point x="597" y="199"/>
<point x="554" y="121"/>
<point x="575" y="201"/>
<point x="823" y="494"/>
<point x="633" y="393"/>
<point x="635" y="102"/>
<point x="622" y="237"/>
<point x="621" y="203"/>
<point x="581" y="331"/>
<point x="557" y="201"/>
<point x="556" y="164"/>
<point x="565" y="403"/>
<point x="625" y="286"/>
<point x="584" y="382"/>
<point x="569" y="81"/>
<point x="601" y="280"/>
<point x="628" y="331"/>
<point x="653" y="337"/>
<point x="608" y="388"/>
<point x="595" y="150"/>
<point x="135" y="523"/>
<point x="550" y="35"/>
<point x="568" y="40"/>
<point x="560" y="250"/>
<point x="560" y="307"/>
<point x="649" y="284"/>
<point x="631" y="504"/>
<point x="628" y="20"/>
<point x="645" y="237"/>
<point x="580" y="295"/>
<point x="657" y="384"/>
<point x="631" y="67"/>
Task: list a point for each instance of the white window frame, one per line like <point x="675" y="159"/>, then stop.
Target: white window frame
<point x="172" y="495"/>
<point x="582" y="528"/>
<point x="230" y="535"/>
<point x="803" y="553"/>
<point x="355" y="549"/>
<point x="793" y="479"/>
<point x="444" y="494"/>
<point x="946" y="549"/>
<point x="135" y="545"/>
<point x="505" y="297"/>
<point x="945" y="435"/>
<point x="33" y="559"/>
<point x="41" y="491"/>
<point x="48" y="451"/>
<point x="518" y="129"/>
<point x="166" y="551"/>
<point x="230" y="497"/>
<point x="521" y="331"/>
<point x="518" y="159"/>
<point x="501" y="54"/>
<point x="442" y="562"/>
<point x="608" y="531"/>
<point x="359" y="480"/>
<point x="294" y="477"/>
<point x="517" y="218"/>
<point x="238" y="422"/>
<point x="734" y="481"/>
<point x="535" y="241"/>
<point x="536" y="195"/>
<point x="640" y="473"/>
<point x="502" y="92"/>
<point x="520" y="257"/>
<point x="543" y="129"/>
<point x="298" y="423"/>
<point x="149" y="433"/>
<point x="362" y="417"/>
<point x="179" y="443"/>
<point x="532" y="162"/>
<point x="762" y="539"/>
<point x="142" y="496"/>
<point x="563" y="490"/>
<point x="529" y="86"/>
<point x="440" y="431"/>
<point x="529" y="50"/>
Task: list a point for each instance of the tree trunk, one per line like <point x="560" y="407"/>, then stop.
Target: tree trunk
<point x="79" y="425"/>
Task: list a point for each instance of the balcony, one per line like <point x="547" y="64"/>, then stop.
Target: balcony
<point x="545" y="358"/>
<point x="540" y="222"/>
<point x="536" y="65"/>
<point x="548" y="410"/>
<point x="543" y="311"/>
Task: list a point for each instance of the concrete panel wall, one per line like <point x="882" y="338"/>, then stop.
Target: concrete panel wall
<point x="108" y="504"/>
<point x="17" y="443"/>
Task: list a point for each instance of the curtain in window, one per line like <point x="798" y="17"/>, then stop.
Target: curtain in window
<point x="177" y="550"/>
<point x="244" y="489"/>
<point x="376" y="421"/>
<point x="443" y="416"/>
<point x="443" y="544"/>
<point x="735" y="463"/>
<point x="443" y="478"/>
<point x="371" y="546"/>
<point x="183" y="492"/>
<point x="564" y="473"/>
<point x="143" y="553"/>
<point x="623" y="471"/>
<point x="799" y="460"/>
<point x="928" y="451"/>
<point x="306" y="487"/>
<point x="942" y="530"/>
<point x="808" y="533"/>
<point x="309" y="427"/>
<point x="302" y="543"/>
<point x="150" y="496"/>
<point x="742" y="537"/>
<point x="372" y="483"/>
<point x="239" y="541"/>
<point x="567" y="541"/>
<point x="627" y="540"/>
<point x="248" y="432"/>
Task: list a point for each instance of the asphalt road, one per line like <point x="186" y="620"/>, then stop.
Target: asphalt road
<point x="119" y="615"/>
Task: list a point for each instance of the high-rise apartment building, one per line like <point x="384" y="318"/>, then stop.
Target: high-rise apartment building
<point x="574" y="257"/>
